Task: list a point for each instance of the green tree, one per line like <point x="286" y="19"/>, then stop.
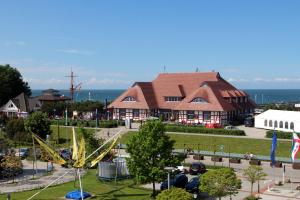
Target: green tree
<point x="220" y="182"/>
<point x="11" y="166"/>
<point x="11" y="84"/>
<point x="92" y="142"/>
<point x="14" y="128"/>
<point x="254" y="173"/>
<point x="150" y="152"/>
<point x="38" y="123"/>
<point x="174" y="194"/>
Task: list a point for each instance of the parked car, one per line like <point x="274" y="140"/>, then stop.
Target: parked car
<point x="179" y="181"/>
<point x="193" y="185"/>
<point x="249" y="122"/>
<point x="231" y="128"/>
<point x="197" y="168"/>
<point x="213" y="125"/>
<point x="23" y="153"/>
<point x="65" y="154"/>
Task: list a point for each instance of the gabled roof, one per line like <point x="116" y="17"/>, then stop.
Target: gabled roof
<point x="137" y="94"/>
<point x="187" y="86"/>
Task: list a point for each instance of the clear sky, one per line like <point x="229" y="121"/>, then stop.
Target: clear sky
<point x="111" y="44"/>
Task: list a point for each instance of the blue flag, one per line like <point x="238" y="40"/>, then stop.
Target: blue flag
<point x="273" y="148"/>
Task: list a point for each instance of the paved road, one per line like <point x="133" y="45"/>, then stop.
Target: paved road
<point x="25" y="182"/>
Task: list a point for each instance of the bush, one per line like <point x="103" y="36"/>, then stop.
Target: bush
<point x="280" y="134"/>
<point x="90" y="123"/>
<point x="203" y="130"/>
<point x="251" y="198"/>
<point x="174" y="194"/>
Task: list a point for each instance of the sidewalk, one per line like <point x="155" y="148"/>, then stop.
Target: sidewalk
<point x="25" y="182"/>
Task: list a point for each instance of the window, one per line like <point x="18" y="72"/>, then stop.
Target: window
<point x="292" y="125"/>
<point x="286" y="125"/>
<point x="275" y="124"/>
<point x="136" y="113"/>
<point x="281" y="124"/>
<point x="266" y="122"/>
<point x="190" y="114"/>
<point x="198" y="100"/>
<point x="122" y="112"/>
<point x="206" y="115"/>
<point x="130" y="98"/>
<point x="173" y="99"/>
<point x="270" y="123"/>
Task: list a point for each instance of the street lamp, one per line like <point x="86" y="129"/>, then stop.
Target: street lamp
<point x="169" y="169"/>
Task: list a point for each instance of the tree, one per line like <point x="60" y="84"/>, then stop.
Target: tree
<point x="38" y="123"/>
<point x="11" y="84"/>
<point x="174" y="194"/>
<point x="221" y="182"/>
<point x="11" y="166"/>
<point x="14" y="127"/>
<point x="150" y="152"/>
<point x="92" y="142"/>
<point x="254" y="173"/>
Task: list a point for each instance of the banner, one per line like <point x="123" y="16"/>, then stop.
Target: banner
<point x="273" y="149"/>
<point x="53" y="154"/>
<point x="101" y="156"/>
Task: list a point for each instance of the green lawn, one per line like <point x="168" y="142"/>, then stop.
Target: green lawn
<point x="234" y="145"/>
<point x="122" y="190"/>
<point x="65" y="133"/>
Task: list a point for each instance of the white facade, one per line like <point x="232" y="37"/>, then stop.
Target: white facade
<point x="281" y="120"/>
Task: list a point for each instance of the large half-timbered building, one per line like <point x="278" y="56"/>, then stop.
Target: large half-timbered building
<point x="184" y="97"/>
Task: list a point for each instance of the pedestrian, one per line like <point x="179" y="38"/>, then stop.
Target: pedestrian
<point x="107" y="133"/>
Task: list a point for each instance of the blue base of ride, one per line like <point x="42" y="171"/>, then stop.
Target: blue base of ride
<point x="76" y="194"/>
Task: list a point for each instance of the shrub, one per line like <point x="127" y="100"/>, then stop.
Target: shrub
<point x="203" y="130"/>
<point x="251" y="198"/>
<point x="280" y="134"/>
<point x="174" y="194"/>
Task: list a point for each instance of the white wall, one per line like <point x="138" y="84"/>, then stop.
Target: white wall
<point x="259" y="122"/>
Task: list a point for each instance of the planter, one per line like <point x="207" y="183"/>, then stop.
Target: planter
<point x="255" y="162"/>
<point x="216" y="159"/>
<point x="198" y="157"/>
<point x="278" y="164"/>
<point x="296" y="166"/>
<point x="235" y="160"/>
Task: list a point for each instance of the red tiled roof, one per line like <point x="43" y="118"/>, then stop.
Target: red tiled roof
<point x="209" y="86"/>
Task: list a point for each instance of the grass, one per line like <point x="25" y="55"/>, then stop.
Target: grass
<point x="233" y="145"/>
<point x="65" y="134"/>
<point x="122" y="190"/>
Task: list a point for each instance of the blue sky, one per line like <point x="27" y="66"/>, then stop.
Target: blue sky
<point x="111" y="44"/>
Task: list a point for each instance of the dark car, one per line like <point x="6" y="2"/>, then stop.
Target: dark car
<point x="197" y="168"/>
<point x="249" y="122"/>
<point x="193" y="185"/>
<point x="66" y="154"/>
<point x="179" y="181"/>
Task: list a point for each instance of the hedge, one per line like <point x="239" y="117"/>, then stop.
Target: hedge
<point x="203" y="130"/>
<point x="280" y="134"/>
<point x="91" y="123"/>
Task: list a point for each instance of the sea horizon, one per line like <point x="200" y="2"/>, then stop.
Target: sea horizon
<point x="259" y="96"/>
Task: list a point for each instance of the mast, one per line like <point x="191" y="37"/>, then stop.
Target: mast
<point x="73" y="88"/>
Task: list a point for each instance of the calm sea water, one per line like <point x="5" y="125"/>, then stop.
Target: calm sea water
<point x="259" y="96"/>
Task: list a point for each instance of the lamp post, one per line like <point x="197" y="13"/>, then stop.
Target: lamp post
<point x="169" y="169"/>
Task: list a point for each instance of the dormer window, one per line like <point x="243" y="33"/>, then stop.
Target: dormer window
<point x="169" y="99"/>
<point x="129" y="99"/>
<point x="198" y="100"/>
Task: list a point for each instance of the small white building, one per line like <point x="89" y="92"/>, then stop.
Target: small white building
<point x="281" y="120"/>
